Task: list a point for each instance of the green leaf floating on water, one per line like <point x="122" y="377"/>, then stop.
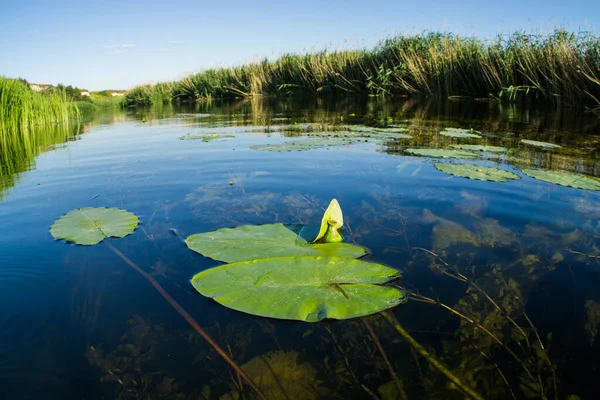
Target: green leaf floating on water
<point x="477" y="172"/>
<point x="564" y="179"/>
<point x="301" y="145"/>
<point x="332" y="221"/>
<point x="88" y="226"/>
<point x="460" y="133"/>
<point x="392" y="133"/>
<point x="476" y="147"/>
<point x="302" y="288"/>
<point x="543" y="145"/>
<point x="204" y="137"/>
<point x="443" y="153"/>
<point x="250" y="242"/>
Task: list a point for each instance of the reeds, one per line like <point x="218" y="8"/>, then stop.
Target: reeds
<point x="559" y="67"/>
<point x="22" y="110"/>
<point x="30" y="123"/>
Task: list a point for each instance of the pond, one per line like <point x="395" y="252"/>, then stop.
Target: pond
<point x="499" y="257"/>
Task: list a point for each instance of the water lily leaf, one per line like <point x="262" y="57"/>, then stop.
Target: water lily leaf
<point x="478" y="172"/>
<point x="301" y="145"/>
<point x="250" y="242"/>
<point x="332" y="221"/>
<point x="204" y="137"/>
<point x="361" y="128"/>
<point x="477" y="147"/>
<point x="443" y="153"/>
<point x="88" y="226"/>
<point x="460" y="133"/>
<point x="564" y="178"/>
<point x="302" y="288"/>
<point x="392" y="133"/>
<point x="543" y="145"/>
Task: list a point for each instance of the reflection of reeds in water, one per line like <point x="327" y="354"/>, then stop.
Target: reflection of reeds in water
<point x="18" y="152"/>
<point x="560" y="67"/>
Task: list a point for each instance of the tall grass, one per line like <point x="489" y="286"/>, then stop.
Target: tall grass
<point x="559" y="67"/>
<point x="30" y="123"/>
<point x="22" y="110"/>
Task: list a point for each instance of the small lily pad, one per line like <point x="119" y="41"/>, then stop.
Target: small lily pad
<point x="577" y="181"/>
<point x="478" y="172"/>
<point x="442" y="153"/>
<point x="301" y="145"/>
<point x="89" y="226"/>
<point x="543" y="145"/>
<point x="362" y="128"/>
<point x="476" y="147"/>
<point x="205" y="137"/>
<point x="251" y="242"/>
<point x="460" y="133"/>
<point x="302" y="288"/>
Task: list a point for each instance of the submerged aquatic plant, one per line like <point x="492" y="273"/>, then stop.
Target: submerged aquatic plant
<point x="88" y="226"/>
<point x="280" y="376"/>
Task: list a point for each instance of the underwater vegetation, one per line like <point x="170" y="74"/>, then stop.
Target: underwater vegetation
<point x="559" y="67"/>
<point x="444" y="298"/>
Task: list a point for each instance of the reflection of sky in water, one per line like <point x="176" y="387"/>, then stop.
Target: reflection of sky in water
<point x="75" y="321"/>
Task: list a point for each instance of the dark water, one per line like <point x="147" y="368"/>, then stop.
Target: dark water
<point x="503" y="277"/>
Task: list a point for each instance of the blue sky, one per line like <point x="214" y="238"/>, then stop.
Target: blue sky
<point x="117" y="44"/>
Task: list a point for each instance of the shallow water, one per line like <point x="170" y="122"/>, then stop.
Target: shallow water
<point x="502" y="277"/>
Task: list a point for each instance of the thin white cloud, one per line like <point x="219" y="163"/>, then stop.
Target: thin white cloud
<point x="123" y="46"/>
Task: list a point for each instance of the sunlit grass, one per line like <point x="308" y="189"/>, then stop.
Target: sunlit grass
<point x="22" y="110"/>
<point x="559" y="67"/>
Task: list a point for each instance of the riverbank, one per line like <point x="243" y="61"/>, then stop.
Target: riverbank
<point x="560" y="67"/>
<point x="22" y="109"/>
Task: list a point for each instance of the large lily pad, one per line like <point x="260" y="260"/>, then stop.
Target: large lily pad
<point x="478" y="172"/>
<point x="251" y="242"/>
<point x="88" y="226"/>
<point x="460" y="133"/>
<point x="442" y="153"/>
<point x="543" y="145"/>
<point x="564" y="179"/>
<point x="301" y="288"/>
<point x="477" y="147"/>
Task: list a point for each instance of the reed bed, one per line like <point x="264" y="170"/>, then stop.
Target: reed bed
<point x="22" y="110"/>
<point x="559" y="67"/>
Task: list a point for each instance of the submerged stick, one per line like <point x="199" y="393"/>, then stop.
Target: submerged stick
<point x="393" y="375"/>
<point x="189" y="320"/>
<point x="432" y="360"/>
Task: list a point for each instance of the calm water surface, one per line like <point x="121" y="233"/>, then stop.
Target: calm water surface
<point x="503" y="277"/>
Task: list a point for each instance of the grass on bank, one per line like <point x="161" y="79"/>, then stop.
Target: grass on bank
<point x="560" y="67"/>
<point x="22" y="109"/>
